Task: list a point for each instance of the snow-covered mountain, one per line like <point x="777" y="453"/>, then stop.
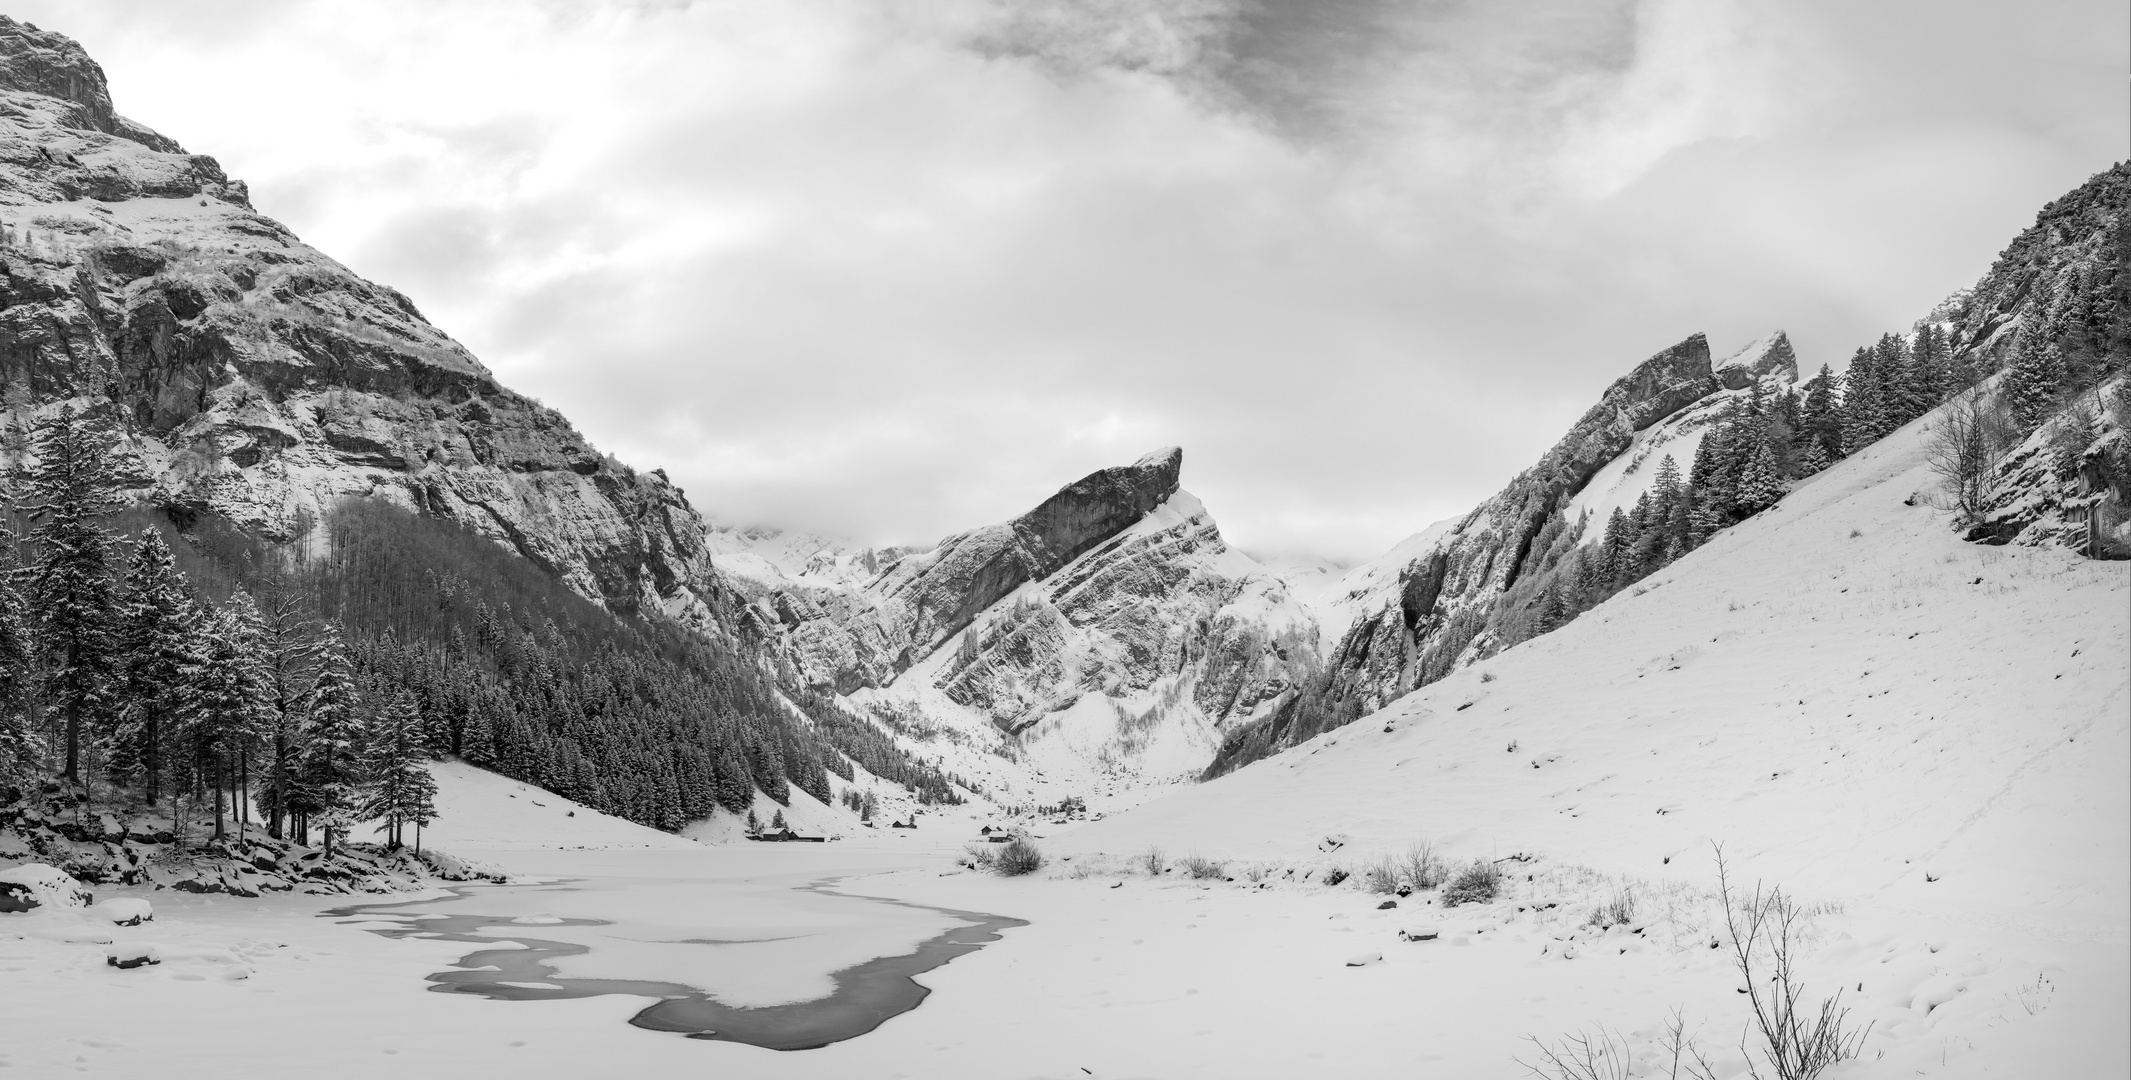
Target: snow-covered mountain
<point x="1110" y="634"/>
<point x="257" y="379"/>
<point x="1423" y="609"/>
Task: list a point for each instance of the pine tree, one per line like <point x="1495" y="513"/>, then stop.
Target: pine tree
<point x="398" y="786"/>
<point x="1821" y="417"/>
<point x="19" y="750"/>
<point x="329" y="785"/>
<point x="2035" y="381"/>
<point x="777" y="822"/>
<point x="222" y="701"/>
<point x="157" y="619"/>
<point x="1761" y="484"/>
<point x="288" y="641"/>
<point x="72" y="584"/>
<point x="1864" y="414"/>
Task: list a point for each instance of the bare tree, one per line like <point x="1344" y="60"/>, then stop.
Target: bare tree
<point x="1767" y="930"/>
<point x="1966" y="444"/>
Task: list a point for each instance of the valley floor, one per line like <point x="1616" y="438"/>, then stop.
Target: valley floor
<point x="1116" y="975"/>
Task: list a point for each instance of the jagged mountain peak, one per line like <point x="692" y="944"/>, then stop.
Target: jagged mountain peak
<point x="1770" y="355"/>
<point x="55" y="66"/>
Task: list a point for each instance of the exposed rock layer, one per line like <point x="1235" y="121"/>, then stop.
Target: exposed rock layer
<point x="258" y="379"/>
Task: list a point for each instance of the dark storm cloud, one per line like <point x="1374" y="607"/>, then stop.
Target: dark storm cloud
<point x="894" y="269"/>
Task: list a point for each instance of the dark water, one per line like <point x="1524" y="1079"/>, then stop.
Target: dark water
<point x="866" y="996"/>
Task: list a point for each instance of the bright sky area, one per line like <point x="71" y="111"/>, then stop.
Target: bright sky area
<point x="887" y="270"/>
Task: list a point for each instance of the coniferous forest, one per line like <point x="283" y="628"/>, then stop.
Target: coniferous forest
<point x="175" y="663"/>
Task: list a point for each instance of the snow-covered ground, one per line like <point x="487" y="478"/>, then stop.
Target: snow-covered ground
<point x="1924" y="740"/>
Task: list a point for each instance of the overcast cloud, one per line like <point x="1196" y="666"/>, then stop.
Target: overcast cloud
<point x="892" y="269"/>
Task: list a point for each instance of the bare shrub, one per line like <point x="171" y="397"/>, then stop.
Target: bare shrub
<point x="1152" y="862"/>
<point x="1965" y="447"/>
<point x="1422" y="866"/>
<point x="1478" y="883"/>
<point x="1335" y="875"/>
<point x="1767" y="930"/>
<point x="1380" y="876"/>
<point x="1600" y="1055"/>
<point x="1018" y="857"/>
<point x="1200" y="869"/>
<point x="1618" y="910"/>
<point x="1605" y="1055"/>
<point x="979" y="856"/>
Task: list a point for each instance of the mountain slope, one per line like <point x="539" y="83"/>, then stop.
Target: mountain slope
<point x="1921" y="737"/>
<point x="1773" y="688"/>
<point x="1437" y="599"/>
<point x="261" y="381"/>
<point x="305" y="434"/>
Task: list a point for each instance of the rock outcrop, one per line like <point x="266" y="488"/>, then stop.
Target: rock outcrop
<point x="1110" y="630"/>
<point x="255" y="378"/>
<point x="936" y="594"/>
<point x="2066" y="278"/>
<point x="1415" y="614"/>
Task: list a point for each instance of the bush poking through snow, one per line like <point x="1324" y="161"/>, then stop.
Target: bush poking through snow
<point x="1018" y="857"/>
<point x="1380" y="876"/>
<point x="979" y="856"/>
<point x="1767" y="931"/>
<point x="1618" y="911"/>
<point x="1478" y="883"/>
<point x="1423" y="867"/>
<point x="1153" y="862"/>
<point x="1602" y="1055"/>
<point x="1200" y="869"/>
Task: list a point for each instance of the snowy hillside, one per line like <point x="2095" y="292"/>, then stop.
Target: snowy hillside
<point x="1718" y="703"/>
<point x="1855" y="702"/>
<point x="480" y="810"/>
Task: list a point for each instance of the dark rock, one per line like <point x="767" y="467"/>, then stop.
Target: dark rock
<point x="971" y="571"/>
<point x="1387" y="905"/>
<point x="14" y="897"/>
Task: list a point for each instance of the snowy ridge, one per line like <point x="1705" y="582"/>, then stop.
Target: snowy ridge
<point x="1717" y="704"/>
<point x="1119" y="670"/>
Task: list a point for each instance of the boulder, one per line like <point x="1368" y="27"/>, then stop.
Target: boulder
<point x="1419" y="933"/>
<point x="124" y="911"/>
<point x="45" y="886"/>
<point x="1365" y="959"/>
<point x="131" y="954"/>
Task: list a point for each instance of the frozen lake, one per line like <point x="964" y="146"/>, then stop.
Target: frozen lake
<point x="719" y="962"/>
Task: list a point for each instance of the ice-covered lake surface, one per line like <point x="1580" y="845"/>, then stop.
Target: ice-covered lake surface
<point x="728" y="958"/>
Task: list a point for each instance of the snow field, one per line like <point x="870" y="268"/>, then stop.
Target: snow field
<point x="1928" y="735"/>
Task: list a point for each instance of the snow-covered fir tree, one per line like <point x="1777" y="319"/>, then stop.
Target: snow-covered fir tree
<point x="72" y="584"/>
<point x="157" y="619"/>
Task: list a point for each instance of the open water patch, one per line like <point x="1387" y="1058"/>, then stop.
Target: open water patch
<point x="866" y="996"/>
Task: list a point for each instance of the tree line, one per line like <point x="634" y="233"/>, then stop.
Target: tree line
<point x="1767" y="439"/>
<point x="114" y="666"/>
<point x="204" y="670"/>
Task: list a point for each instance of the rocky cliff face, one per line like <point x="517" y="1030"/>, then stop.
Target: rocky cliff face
<point x="1110" y="632"/>
<point x="1415" y="614"/>
<point x="256" y="378"/>
<point x="2067" y="278"/>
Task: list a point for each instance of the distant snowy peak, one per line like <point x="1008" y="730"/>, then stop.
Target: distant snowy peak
<point x="760" y="558"/>
<point x="1106" y="636"/>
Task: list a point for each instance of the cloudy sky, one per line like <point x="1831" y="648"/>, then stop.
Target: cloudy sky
<point x="891" y="268"/>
